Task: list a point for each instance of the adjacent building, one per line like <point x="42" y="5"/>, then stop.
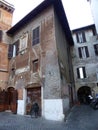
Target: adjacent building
<point x="94" y="6"/>
<point x="6" y="13"/>
<point x="85" y="62"/>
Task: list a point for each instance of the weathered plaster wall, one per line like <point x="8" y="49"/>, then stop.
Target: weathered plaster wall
<point x="5" y="19"/>
<point x="3" y="65"/>
<point x="94" y="10"/>
<point x="90" y="62"/>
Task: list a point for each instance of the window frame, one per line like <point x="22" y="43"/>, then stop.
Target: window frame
<point x="14" y="50"/>
<point x="81" y="73"/>
<point x="96" y="49"/>
<point x="23" y="39"/>
<point x="35" y="35"/>
<point x="35" y="65"/>
<point x="1" y="34"/>
<point x="83" y="52"/>
<point x="12" y="72"/>
<point x="0" y="14"/>
<point x="81" y="37"/>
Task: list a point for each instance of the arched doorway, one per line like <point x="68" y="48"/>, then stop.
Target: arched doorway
<point x="83" y="93"/>
<point x="11" y="100"/>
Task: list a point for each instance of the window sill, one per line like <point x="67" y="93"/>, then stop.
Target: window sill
<point x="22" y="51"/>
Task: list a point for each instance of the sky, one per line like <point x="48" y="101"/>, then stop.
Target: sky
<point x="78" y="12"/>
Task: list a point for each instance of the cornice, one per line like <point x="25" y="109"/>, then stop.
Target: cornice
<point x="7" y="6"/>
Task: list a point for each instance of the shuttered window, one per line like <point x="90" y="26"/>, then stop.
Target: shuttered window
<point x="36" y="36"/>
<point x="1" y="33"/>
<point x="13" y="72"/>
<point x="83" y="52"/>
<point x="81" y="73"/>
<point x="13" y="49"/>
<point x="96" y="49"/>
<point x="35" y="65"/>
<point x="10" y="51"/>
<point x="80" y="36"/>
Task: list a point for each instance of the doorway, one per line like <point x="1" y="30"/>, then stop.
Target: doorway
<point x="11" y="99"/>
<point x="33" y="95"/>
<point x="8" y="100"/>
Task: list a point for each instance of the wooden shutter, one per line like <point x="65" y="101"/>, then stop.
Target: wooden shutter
<point x="80" y="53"/>
<point x="13" y="101"/>
<point x="96" y="49"/>
<point x="1" y="35"/>
<point x="87" y="52"/>
<point x="83" y="35"/>
<point x="17" y="46"/>
<point x="84" y="72"/>
<point x="78" y="73"/>
<point x="94" y="31"/>
<point x="10" y="51"/>
<point x="77" y="37"/>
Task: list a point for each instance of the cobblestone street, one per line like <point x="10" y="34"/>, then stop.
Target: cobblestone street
<point x="80" y="118"/>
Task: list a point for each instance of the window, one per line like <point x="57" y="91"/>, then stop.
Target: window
<point x="1" y="33"/>
<point x="81" y="37"/>
<point x="81" y="73"/>
<point x="83" y="52"/>
<point x="13" y="72"/>
<point x="97" y="75"/>
<point x="35" y="36"/>
<point x="35" y="65"/>
<point x="13" y="49"/>
<point x="0" y="14"/>
<point x="96" y="49"/>
<point x="94" y="31"/>
<point x="23" y="42"/>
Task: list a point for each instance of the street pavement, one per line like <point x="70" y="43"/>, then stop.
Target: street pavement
<point x="81" y="117"/>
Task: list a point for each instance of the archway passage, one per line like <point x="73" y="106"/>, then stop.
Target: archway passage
<point x="83" y="94"/>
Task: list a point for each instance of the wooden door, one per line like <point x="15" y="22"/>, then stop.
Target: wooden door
<point x="33" y="95"/>
<point x="2" y="100"/>
<point x="11" y="100"/>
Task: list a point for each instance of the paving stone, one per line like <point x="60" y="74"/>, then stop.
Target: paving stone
<point x="80" y="118"/>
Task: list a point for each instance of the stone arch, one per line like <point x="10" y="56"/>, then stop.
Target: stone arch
<point x="83" y="93"/>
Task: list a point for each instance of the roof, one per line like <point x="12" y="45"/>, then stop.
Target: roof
<point x="92" y="26"/>
<point x="46" y="3"/>
<point x="4" y="4"/>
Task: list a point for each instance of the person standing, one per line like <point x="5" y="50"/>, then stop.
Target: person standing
<point x="35" y="109"/>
